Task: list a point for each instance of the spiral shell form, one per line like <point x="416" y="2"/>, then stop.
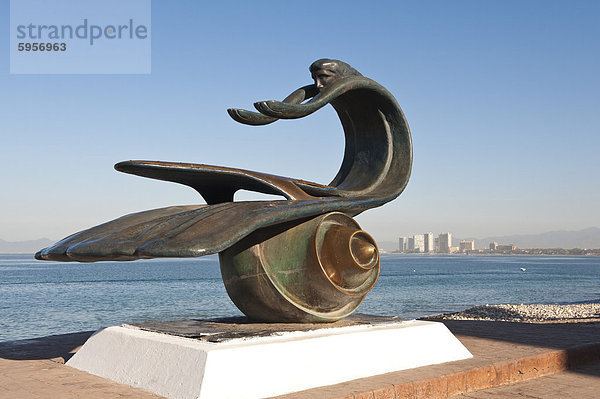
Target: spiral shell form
<point x="316" y="270"/>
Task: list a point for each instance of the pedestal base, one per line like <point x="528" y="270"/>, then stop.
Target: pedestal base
<point x="263" y="366"/>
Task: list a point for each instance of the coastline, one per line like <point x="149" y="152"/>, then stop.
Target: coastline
<point x="387" y="252"/>
<point x="409" y="286"/>
<point x="532" y="313"/>
<point x="384" y="252"/>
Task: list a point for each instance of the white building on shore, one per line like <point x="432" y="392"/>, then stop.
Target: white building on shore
<point x="428" y="243"/>
<point x="419" y="243"/>
<point x="465" y="245"/>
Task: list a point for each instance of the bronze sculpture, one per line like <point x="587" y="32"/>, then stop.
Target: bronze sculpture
<point x="300" y="260"/>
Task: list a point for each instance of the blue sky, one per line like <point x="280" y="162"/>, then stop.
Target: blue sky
<point x="502" y="98"/>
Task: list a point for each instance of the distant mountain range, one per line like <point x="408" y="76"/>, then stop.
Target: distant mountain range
<point x="586" y="238"/>
<point x="24" y="247"/>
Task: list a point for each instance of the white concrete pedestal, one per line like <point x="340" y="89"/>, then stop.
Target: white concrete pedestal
<point x="259" y="367"/>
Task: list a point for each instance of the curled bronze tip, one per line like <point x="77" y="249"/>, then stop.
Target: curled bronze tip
<point x="363" y="250"/>
<point x="348" y="257"/>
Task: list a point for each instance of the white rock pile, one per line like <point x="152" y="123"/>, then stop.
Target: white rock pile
<point x="527" y="313"/>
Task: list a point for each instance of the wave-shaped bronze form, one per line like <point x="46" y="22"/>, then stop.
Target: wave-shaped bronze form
<point x="300" y="270"/>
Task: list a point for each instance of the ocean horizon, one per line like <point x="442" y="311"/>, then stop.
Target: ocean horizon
<point x="40" y="298"/>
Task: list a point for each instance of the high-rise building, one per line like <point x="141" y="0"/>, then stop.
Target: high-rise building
<point x="429" y="244"/>
<point x="411" y="244"/>
<point x="419" y="242"/>
<point x="403" y="244"/>
<point x="466" y="246"/>
<point x="436" y="244"/>
<point x="445" y="242"/>
<point x="493" y="246"/>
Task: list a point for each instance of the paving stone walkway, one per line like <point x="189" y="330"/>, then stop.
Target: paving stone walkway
<point x="581" y="383"/>
<point x="34" y="369"/>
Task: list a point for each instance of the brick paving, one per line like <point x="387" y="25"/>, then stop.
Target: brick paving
<point x="581" y="383"/>
<point x="46" y="379"/>
<point x="34" y="369"/>
<point x="529" y="357"/>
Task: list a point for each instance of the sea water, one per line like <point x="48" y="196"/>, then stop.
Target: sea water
<point x="40" y="298"/>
